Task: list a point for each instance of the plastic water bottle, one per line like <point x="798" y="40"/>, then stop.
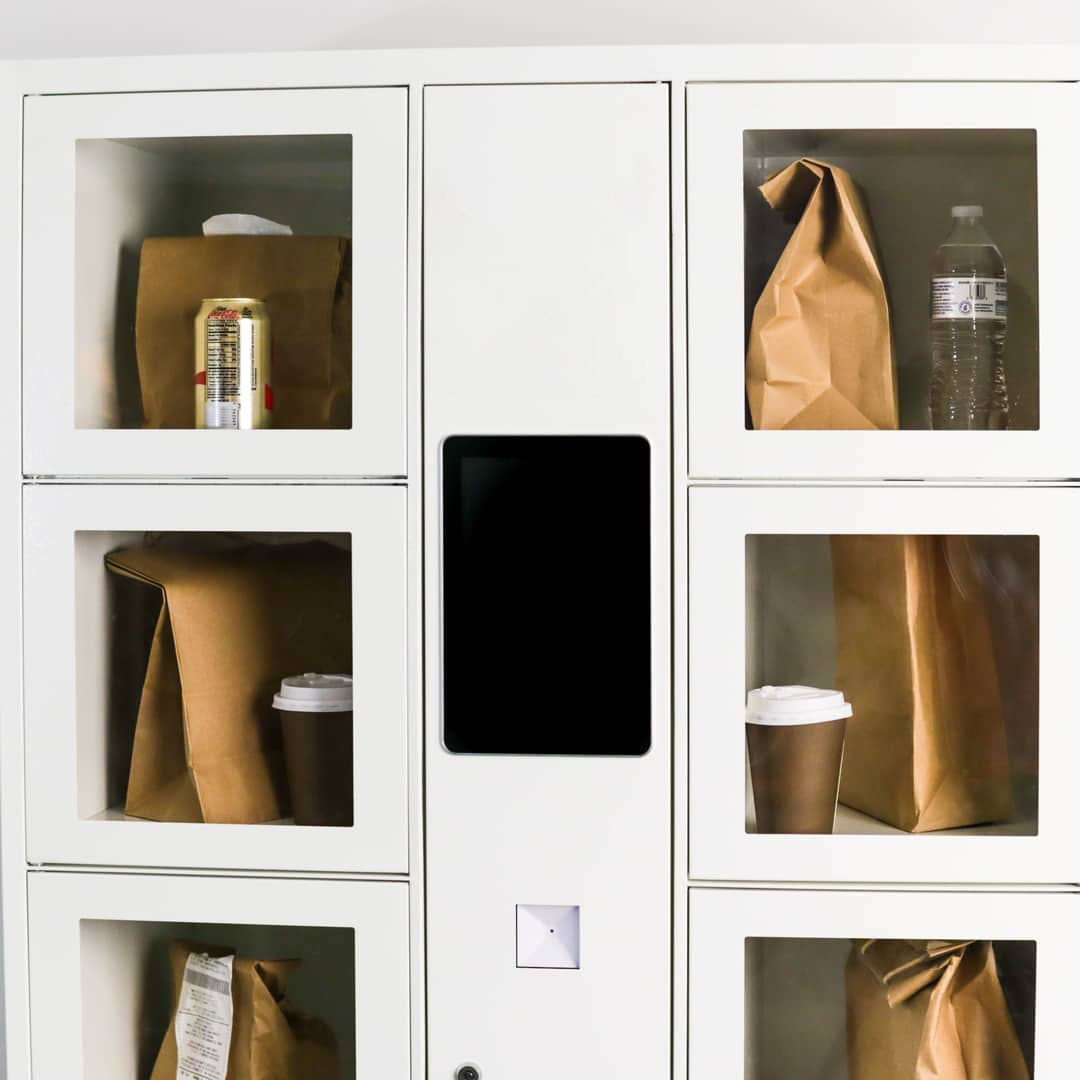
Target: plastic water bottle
<point x="968" y="305"/>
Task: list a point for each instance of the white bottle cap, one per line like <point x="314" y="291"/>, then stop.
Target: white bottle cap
<point x="784" y="705"/>
<point x="967" y="211"/>
<point x="315" y="693"/>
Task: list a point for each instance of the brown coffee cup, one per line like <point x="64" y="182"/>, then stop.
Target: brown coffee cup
<point x="795" y="738"/>
<point x="317" y="727"/>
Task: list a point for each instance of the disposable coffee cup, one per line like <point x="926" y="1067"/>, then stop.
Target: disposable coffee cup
<point x="317" y="725"/>
<point x="795" y="737"/>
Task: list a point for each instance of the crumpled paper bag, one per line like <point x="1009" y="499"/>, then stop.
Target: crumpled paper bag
<point x="270" y="1039"/>
<point x="929" y="1010"/>
<point x="820" y="355"/>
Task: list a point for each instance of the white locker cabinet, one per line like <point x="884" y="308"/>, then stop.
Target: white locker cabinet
<point x="546" y="245"/>
<point x="748" y="1017"/>
<point x="101" y="984"/>
<point x="546" y="298"/>
<point x="103" y="171"/>
<point x="76" y="712"/>
<point x="761" y="610"/>
<point x="914" y="150"/>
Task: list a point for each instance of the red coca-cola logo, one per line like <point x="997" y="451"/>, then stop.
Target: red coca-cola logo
<point x="224" y="313"/>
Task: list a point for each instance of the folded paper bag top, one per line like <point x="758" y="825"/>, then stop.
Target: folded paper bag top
<point x="820" y="355"/>
<point x="929" y="1010"/>
<point x="787" y="705"/>
<point x="312" y="693"/>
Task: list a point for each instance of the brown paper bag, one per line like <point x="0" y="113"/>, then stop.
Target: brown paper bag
<point x="232" y="624"/>
<point x="306" y="284"/>
<point x="271" y="1040"/>
<point x="928" y="1010"/>
<point x="820" y="354"/>
<point x="926" y="747"/>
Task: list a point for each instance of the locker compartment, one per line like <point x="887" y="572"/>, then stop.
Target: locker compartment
<point x="124" y="621"/>
<point x="133" y="959"/>
<point x="909" y="179"/>
<point x="853" y="984"/>
<point x="129" y="189"/>
<point x="101" y="972"/>
<point x="222" y="777"/>
<point x="105" y="172"/>
<point x="937" y="613"/>
<point x="913" y="152"/>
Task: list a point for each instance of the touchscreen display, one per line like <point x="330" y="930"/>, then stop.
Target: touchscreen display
<point x="546" y="622"/>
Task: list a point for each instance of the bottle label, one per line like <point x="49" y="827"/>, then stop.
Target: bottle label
<point x="968" y="298"/>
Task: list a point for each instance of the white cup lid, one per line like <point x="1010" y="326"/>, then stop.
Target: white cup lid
<point x="795" y="705"/>
<point x="315" y="693"/>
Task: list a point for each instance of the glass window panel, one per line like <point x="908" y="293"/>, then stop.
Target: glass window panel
<point x="934" y="642"/>
<point x="908" y="181"/>
<point x="820" y="1008"/>
<point x="238" y="608"/>
<point x="129" y="190"/>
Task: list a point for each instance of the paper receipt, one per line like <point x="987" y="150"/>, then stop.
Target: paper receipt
<point x="204" y="1018"/>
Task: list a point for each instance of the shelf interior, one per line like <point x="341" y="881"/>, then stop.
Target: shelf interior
<point x="129" y="189"/>
<point x="909" y="180"/>
<point x="791" y="638"/>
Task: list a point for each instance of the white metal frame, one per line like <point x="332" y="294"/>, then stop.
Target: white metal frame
<point x="376" y="911"/>
<point x="375" y="445"/>
<point x="65" y="733"/>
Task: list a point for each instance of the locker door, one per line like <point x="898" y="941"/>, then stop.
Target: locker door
<point x="547" y="316"/>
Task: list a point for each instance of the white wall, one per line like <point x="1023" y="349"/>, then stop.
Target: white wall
<point x="125" y="27"/>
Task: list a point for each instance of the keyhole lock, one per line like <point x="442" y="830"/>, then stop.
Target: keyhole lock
<point x="467" y="1072"/>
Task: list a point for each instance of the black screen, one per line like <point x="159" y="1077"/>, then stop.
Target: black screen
<point x="546" y="595"/>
